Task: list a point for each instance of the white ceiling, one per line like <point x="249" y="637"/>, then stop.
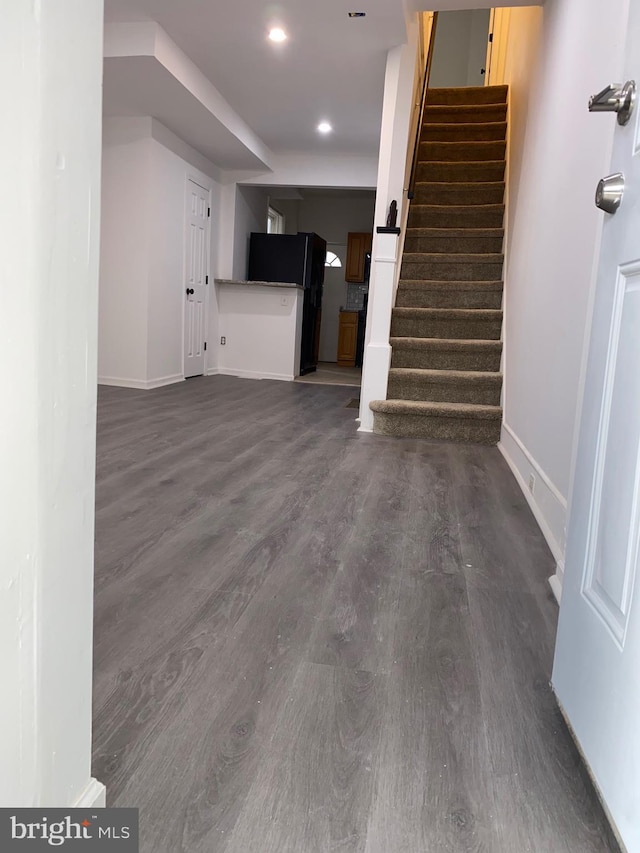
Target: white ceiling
<point x="332" y="67"/>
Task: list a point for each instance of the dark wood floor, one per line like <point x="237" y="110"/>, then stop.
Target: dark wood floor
<point x="310" y="640"/>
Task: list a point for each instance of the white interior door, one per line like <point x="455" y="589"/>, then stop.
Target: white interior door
<point x="597" y="664"/>
<point x="195" y="286"/>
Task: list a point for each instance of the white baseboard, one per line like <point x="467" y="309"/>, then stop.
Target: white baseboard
<point x="253" y="374"/>
<point x="165" y="380"/>
<point x="94" y="796"/>
<point x="547" y="504"/>
<point x="141" y="384"/>
<point x="213" y="371"/>
<point x="555" y="582"/>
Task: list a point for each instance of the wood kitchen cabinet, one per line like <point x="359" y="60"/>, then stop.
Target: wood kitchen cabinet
<point x="358" y="244"/>
<point x="347" y="338"/>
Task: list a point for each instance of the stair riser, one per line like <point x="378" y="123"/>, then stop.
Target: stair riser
<point x="455" y="194"/>
<point x="440" y="216"/>
<point x="410" y="327"/>
<point x="482" y="393"/>
<point x="470" y="95"/>
<point x="454" y="245"/>
<point x="448" y="299"/>
<point x="432" y="359"/>
<point x="438" y="429"/>
<point x="452" y="171"/>
<point x="464" y="132"/>
<point x="469" y="152"/>
<point x="451" y="271"/>
<point x="461" y="115"/>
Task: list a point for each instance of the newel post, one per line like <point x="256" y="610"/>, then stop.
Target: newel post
<point x="377" y="353"/>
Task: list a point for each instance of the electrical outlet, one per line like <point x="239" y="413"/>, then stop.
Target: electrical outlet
<point x="532" y="483"/>
<point x="223" y="341"/>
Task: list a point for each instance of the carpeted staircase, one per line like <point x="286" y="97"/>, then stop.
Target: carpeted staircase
<point x="445" y="380"/>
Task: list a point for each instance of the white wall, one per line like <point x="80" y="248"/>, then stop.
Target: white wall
<point x="51" y="67"/>
<point x="145" y="172"/>
<point x="401" y="80"/>
<point x="289" y="209"/>
<point x="262" y="327"/>
<point x="333" y="217"/>
<point x="558" y="151"/>
<point x="251" y="209"/>
<point x="460" y="48"/>
<point x="124" y="250"/>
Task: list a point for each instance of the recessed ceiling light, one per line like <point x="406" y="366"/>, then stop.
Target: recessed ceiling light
<point x="277" y="34"/>
<point x="324" y="127"/>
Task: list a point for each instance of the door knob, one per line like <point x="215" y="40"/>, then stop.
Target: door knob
<point x="609" y="192"/>
<point x="190" y="290"/>
<point x="615" y="99"/>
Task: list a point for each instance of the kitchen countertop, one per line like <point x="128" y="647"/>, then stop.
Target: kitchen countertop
<point x="241" y="282"/>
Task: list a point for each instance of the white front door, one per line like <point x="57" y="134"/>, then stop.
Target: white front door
<point x="596" y="672"/>
<point x="195" y="286"/>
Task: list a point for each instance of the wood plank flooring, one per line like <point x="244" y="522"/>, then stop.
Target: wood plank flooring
<point x="312" y="640"/>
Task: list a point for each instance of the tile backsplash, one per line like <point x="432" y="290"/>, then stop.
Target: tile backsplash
<point x="355" y="296"/>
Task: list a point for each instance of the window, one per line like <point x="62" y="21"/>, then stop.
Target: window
<point x="275" y="222"/>
<point x="332" y="260"/>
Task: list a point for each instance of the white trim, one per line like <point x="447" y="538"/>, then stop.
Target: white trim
<point x="548" y="506"/>
<point x="94" y="796"/>
<point x="212" y="371"/>
<point x="545" y="479"/>
<point x="555" y="582"/>
<point x="141" y="384"/>
<point x="253" y="374"/>
<point x="592" y="776"/>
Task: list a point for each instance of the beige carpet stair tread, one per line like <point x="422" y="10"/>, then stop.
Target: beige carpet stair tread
<point x="457" y="258"/>
<point x="454" y="240"/>
<point x="459" y="170"/>
<point x="468" y="95"/>
<point x="421" y="284"/>
<point x="445" y="343"/>
<point x="458" y="192"/>
<point x="459" y="186"/>
<point x="452" y="131"/>
<point x="465" y="151"/>
<point x="464" y="114"/>
<point x="442" y="410"/>
<point x="443" y="376"/>
<point x="449" y="313"/>
<point x="456" y="216"/>
<point x="455" y="232"/>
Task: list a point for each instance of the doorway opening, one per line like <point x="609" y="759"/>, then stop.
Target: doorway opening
<point x="460" y="52"/>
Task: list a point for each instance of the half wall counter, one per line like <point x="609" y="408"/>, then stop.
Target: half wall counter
<point x="260" y="328"/>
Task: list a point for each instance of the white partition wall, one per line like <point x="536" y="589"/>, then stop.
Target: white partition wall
<point x="51" y="68"/>
<point x="402" y="67"/>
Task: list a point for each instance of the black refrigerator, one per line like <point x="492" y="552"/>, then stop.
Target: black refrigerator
<point x="297" y="258"/>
